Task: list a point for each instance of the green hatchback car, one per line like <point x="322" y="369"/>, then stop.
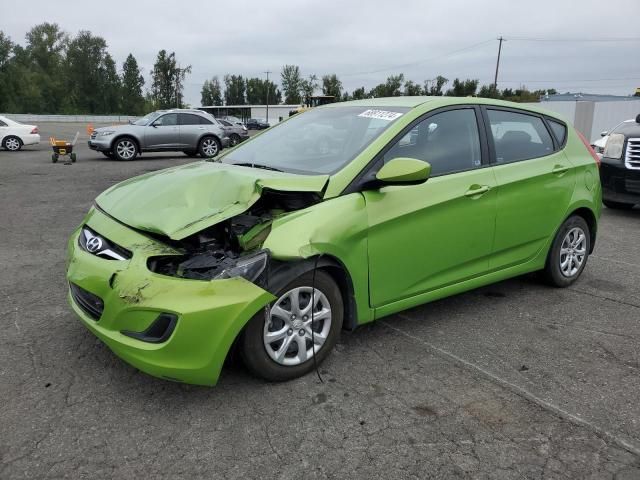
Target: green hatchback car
<point x="332" y="219"/>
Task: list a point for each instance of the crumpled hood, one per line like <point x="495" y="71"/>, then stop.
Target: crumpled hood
<point x="180" y="201"/>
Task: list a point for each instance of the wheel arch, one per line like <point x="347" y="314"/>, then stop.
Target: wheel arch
<point x="283" y="272"/>
<point x="126" y="135"/>
<point x="589" y="216"/>
<point x="209" y="134"/>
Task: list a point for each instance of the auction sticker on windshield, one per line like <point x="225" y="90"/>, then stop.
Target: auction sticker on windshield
<point x="381" y="114"/>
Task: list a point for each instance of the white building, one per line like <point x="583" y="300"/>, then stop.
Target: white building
<point x="273" y="113"/>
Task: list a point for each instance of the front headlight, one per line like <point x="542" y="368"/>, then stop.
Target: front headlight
<point x="613" y="148"/>
<point x="248" y="268"/>
<point x="105" y="133"/>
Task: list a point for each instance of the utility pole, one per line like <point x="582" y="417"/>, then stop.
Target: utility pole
<point x="177" y="86"/>
<point x="267" y="84"/>
<point x="495" y="80"/>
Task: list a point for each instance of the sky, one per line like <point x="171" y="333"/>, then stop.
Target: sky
<point x="572" y="45"/>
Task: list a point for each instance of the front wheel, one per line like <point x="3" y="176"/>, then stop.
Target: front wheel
<point x="208" y="147"/>
<point x="617" y="205"/>
<point x="125" y="149"/>
<point x="569" y="252"/>
<point x="279" y="342"/>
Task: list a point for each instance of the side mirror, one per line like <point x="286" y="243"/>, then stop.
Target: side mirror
<point x="604" y="133"/>
<point x="403" y="171"/>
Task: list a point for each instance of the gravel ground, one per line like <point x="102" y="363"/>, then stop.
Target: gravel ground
<point x="515" y="380"/>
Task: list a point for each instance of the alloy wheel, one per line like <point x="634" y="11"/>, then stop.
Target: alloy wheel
<point x="288" y="336"/>
<point x="126" y="149"/>
<point x="12" y="144"/>
<point x="573" y="252"/>
<point x="209" y="147"/>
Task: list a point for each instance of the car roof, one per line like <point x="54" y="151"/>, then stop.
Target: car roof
<point x="442" y="101"/>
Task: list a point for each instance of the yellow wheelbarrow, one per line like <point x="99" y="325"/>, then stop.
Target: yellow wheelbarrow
<point x="62" y="148"/>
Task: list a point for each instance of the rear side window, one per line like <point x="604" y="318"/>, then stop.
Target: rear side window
<point x="190" y="119"/>
<point x="559" y="130"/>
<point x="518" y="136"/>
<point x="449" y="141"/>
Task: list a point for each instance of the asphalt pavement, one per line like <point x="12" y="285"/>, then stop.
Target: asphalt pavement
<point x="514" y="380"/>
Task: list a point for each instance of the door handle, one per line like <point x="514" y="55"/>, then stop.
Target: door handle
<point x="477" y="190"/>
<point x="559" y="169"/>
<point x="200" y="128"/>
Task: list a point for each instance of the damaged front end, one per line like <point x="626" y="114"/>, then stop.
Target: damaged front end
<point x="231" y="248"/>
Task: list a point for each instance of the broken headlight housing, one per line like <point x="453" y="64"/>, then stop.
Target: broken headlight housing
<point x="249" y="268"/>
<point x="211" y="265"/>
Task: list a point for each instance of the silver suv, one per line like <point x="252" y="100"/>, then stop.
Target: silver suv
<point x="193" y="132"/>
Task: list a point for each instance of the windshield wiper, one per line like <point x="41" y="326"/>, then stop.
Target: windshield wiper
<point x="257" y="165"/>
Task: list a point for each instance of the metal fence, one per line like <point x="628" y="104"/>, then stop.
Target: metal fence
<point x="29" y="118"/>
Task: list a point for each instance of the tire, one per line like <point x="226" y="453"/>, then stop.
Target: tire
<point x="191" y="153"/>
<point x="617" y="205"/>
<point x="254" y="344"/>
<point x="54" y="158"/>
<point x="208" y="147"/>
<point x="73" y="158"/>
<point x="125" y="149"/>
<point x="234" y="139"/>
<point x="12" y="143"/>
<point x="562" y="269"/>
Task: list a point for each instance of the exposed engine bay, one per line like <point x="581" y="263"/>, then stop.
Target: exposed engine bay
<point x="208" y="253"/>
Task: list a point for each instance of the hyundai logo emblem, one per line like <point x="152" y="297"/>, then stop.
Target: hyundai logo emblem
<point x="94" y="244"/>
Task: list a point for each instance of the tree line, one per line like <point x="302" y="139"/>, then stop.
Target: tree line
<point x="55" y="72"/>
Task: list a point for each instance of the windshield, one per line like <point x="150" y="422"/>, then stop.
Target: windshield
<point x="147" y="119"/>
<point x="319" y="141"/>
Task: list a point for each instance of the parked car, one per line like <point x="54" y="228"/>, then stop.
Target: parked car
<point x="14" y="135"/>
<point x="232" y="119"/>
<point x="274" y="249"/>
<point x="257" y="124"/>
<point x="598" y="145"/>
<point x="236" y="133"/>
<point x="193" y="132"/>
<point x="620" y="172"/>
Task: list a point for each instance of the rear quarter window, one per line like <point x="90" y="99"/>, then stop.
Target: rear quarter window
<point x="559" y="130"/>
<point x="518" y="136"/>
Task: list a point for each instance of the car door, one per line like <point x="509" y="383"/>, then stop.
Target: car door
<point x="424" y="237"/>
<point x="163" y="133"/>
<point x="192" y="127"/>
<point x="535" y="184"/>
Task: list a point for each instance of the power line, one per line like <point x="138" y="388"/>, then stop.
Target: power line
<point x="404" y="65"/>
<point x="578" y="40"/>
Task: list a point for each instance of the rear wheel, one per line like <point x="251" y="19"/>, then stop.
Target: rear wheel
<point x="54" y="158"/>
<point x="569" y="252"/>
<point x="617" y="205"/>
<point x="73" y="157"/>
<point x="125" y="149"/>
<point x="279" y="342"/>
<point x="234" y="139"/>
<point x="12" y="143"/>
<point x="208" y="147"/>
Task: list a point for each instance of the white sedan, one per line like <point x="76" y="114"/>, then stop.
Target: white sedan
<point x="14" y="135"/>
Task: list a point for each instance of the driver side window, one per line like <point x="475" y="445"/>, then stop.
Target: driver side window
<point x="167" y="120"/>
<point x="449" y="141"/>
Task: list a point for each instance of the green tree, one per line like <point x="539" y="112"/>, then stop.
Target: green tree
<point x="412" y="89"/>
<point x="211" y="93"/>
<point x="234" y="90"/>
<point x="43" y="67"/>
<point x="463" y="88"/>
<point x="291" y="84"/>
<point x="308" y="87"/>
<point x="132" y="99"/>
<point x="167" y="81"/>
<point x="93" y="84"/>
<point x="331" y="85"/>
<point x="6" y="56"/>
<point x="359" y="94"/>
<point x="391" y="88"/>
<point x="434" y="87"/>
